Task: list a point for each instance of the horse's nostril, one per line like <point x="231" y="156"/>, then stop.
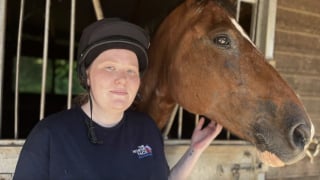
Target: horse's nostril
<point x="300" y="136"/>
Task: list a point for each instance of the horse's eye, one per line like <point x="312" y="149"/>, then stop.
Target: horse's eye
<point x="222" y="41"/>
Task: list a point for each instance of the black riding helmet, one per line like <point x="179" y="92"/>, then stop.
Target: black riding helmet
<point x="110" y="33"/>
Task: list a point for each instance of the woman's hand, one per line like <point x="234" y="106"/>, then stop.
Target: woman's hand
<point x="201" y="138"/>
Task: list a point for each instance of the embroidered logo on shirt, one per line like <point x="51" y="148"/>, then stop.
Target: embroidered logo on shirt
<point x="143" y="151"/>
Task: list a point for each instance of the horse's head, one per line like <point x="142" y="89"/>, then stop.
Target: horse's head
<point x="201" y="59"/>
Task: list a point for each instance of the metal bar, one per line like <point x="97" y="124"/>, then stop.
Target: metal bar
<point x="180" y="122"/>
<point x="16" y="92"/>
<point x="2" y="45"/>
<point x="271" y="26"/>
<point x="266" y="27"/>
<point x="169" y="124"/>
<point x="45" y="59"/>
<point x="98" y="9"/>
<point x="228" y="135"/>
<point x="249" y="1"/>
<point x="253" y="26"/>
<point x="238" y="10"/>
<point x="196" y="119"/>
<point x="215" y="142"/>
<point x="71" y="51"/>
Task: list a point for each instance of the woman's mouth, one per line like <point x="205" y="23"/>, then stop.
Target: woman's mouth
<point x="119" y="92"/>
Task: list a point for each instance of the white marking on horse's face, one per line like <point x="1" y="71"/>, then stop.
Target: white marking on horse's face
<point x="240" y="29"/>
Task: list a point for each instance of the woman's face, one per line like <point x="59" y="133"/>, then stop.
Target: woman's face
<point x="113" y="78"/>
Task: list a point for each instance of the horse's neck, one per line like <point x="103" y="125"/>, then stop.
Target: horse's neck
<point x="156" y="99"/>
<point x="159" y="107"/>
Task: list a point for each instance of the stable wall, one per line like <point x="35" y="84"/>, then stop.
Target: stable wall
<point x="297" y="51"/>
<point x="222" y="160"/>
<point x="297" y="59"/>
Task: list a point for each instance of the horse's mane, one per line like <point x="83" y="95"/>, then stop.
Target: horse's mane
<point x="151" y="27"/>
<point x="229" y="5"/>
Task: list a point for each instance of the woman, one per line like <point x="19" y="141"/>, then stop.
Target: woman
<point x="102" y="139"/>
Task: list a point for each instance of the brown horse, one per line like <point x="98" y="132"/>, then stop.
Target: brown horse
<point x="201" y="59"/>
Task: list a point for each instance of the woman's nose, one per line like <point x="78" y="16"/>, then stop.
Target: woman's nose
<point x="121" y="78"/>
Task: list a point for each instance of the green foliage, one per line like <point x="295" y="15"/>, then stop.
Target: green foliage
<point x="30" y="76"/>
<point x="62" y="78"/>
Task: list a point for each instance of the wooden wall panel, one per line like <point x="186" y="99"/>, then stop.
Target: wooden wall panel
<point x="297" y="42"/>
<point x="297" y="51"/>
<point x="291" y="63"/>
<point x="220" y="162"/>
<point x="304" y="85"/>
<point x="316" y="122"/>
<point x="297" y="21"/>
<point x="307" y="6"/>
<point x="312" y="105"/>
<point x="303" y="170"/>
<point x="297" y="57"/>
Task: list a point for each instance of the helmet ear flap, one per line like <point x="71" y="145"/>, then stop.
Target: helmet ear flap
<point x="82" y="75"/>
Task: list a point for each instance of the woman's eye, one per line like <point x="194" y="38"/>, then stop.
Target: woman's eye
<point x="132" y="72"/>
<point x="110" y="68"/>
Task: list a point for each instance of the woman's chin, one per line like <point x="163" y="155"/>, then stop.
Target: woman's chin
<point x="120" y="106"/>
